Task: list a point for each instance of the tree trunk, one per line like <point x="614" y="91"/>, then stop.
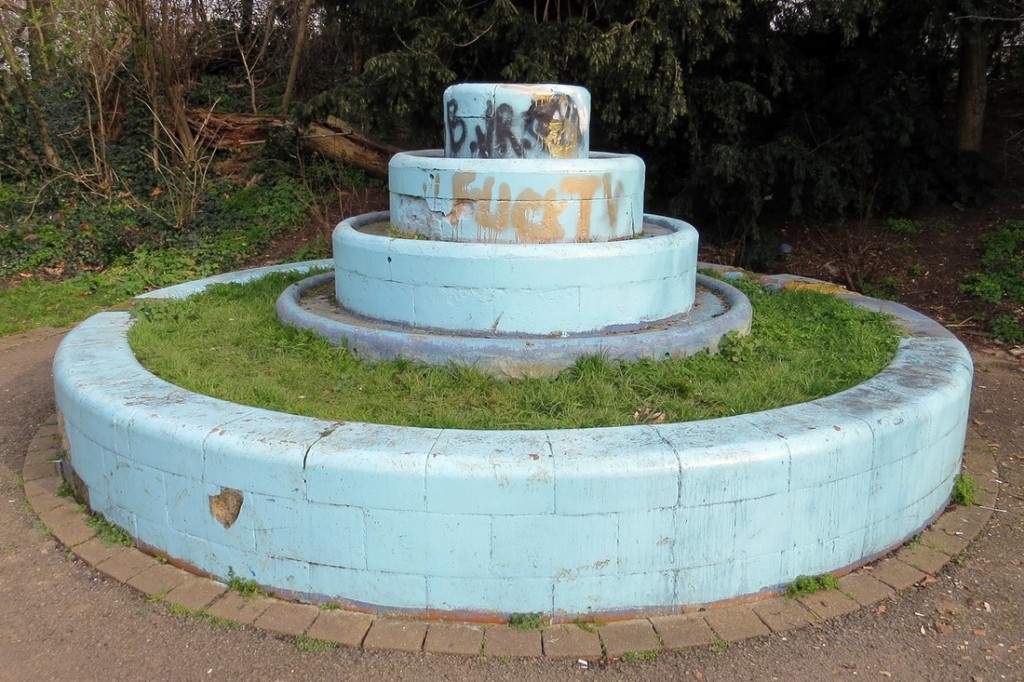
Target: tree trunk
<point x="245" y="21"/>
<point x="300" y="44"/>
<point x="22" y="82"/>
<point x="972" y="86"/>
<point x="39" y="22"/>
<point x="337" y="139"/>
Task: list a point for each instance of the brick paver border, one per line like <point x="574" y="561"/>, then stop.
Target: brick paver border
<point x="926" y="555"/>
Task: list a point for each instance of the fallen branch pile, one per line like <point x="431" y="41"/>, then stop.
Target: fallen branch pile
<point x="333" y="138"/>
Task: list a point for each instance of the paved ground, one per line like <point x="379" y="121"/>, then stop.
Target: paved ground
<point x="60" y="618"/>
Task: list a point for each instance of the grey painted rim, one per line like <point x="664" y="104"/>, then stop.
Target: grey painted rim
<point x="683" y="336"/>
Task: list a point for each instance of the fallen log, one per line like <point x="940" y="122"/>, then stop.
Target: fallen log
<point x="338" y="139"/>
<point x="333" y="138"/>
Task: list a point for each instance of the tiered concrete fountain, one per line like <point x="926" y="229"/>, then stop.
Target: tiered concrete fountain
<point x="527" y="263"/>
<point x="517" y="250"/>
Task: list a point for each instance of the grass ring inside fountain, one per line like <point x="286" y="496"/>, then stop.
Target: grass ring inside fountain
<point x="228" y="344"/>
<point x="567" y="522"/>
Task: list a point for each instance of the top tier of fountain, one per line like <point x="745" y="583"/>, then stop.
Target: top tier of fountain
<point x="517" y="168"/>
<point x="510" y="121"/>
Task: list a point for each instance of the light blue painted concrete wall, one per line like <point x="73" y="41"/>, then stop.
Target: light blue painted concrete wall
<point x="509" y="120"/>
<point x="508" y="200"/>
<point x="564" y="522"/>
<point x="515" y="288"/>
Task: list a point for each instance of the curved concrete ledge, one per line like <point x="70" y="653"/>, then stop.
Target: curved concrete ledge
<point x="450" y="522"/>
<point x="539" y="289"/>
<point x="948" y="536"/>
<point x="719" y="309"/>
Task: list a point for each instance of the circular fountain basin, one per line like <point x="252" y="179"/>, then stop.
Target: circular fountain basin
<point x="718" y="310"/>
<point x="537" y="289"/>
<point x="481" y="524"/>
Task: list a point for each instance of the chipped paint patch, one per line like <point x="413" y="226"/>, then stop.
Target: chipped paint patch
<point x="226" y="506"/>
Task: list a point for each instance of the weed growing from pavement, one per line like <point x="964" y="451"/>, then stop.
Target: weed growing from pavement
<point x="526" y="622"/>
<point x="965" y="490"/>
<point x="312" y="644"/>
<point x="809" y="584"/>
<point x="158" y="596"/>
<point x="719" y="646"/>
<point x="42" y="528"/>
<point x="586" y="626"/>
<point x="203" y="616"/>
<point x="107" y="532"/>
<point x="228" y="343"/>
<point x="247" y="587"/>
<point x="640" y="656"/>
<point x="65" y="490"/>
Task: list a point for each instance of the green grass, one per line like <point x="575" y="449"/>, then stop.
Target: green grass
<point x="202" y="616"/>
<point x="526" y="622"/>
<point x="637" y="656"/>
<point x="901" y="226"/>
<point x="585" y="625"/>
<point x="999" y="281"/>
<point x="247" y="587"/>
<point x="808" y="584"/>
<point x="312" y="644"/>
<point x="965" y="490"/>
<point x="1002" y="258"/>
<point x="105" y="251"/>
<point x="36" y="303"/>
<point x="107" y="532"/>
<point x="158" y="597"/>
<point x="228" y="343"/>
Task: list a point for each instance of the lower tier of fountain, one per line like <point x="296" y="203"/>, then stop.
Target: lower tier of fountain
<point x="453" y="523"/>
<point x="719" y="309"/>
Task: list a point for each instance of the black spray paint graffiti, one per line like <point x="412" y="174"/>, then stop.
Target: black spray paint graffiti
<point x="497" y="139"/>
<point x="551" y="123"/>
<point x="456" y="127"/>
